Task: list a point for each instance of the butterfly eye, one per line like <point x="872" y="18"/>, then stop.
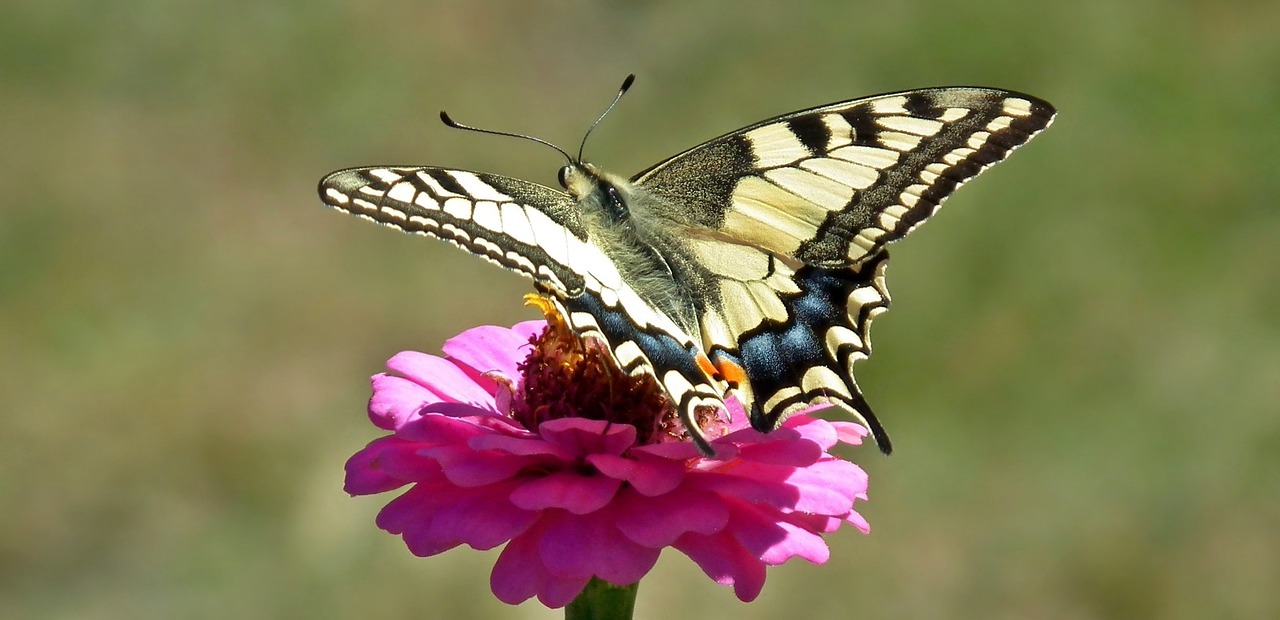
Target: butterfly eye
<point x="564" y="177"/>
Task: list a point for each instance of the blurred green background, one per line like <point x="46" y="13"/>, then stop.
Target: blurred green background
<point x="1081" y="370"/>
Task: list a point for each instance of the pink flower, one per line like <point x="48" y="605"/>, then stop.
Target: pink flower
<point x="528" y="440"/>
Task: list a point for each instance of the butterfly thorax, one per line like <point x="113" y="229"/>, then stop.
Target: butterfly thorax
<point x="624" y="220"/>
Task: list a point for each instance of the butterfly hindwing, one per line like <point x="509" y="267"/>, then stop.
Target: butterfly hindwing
<point x="786" y="333"/>
<point x="808" y="357"/>
<point x="832" y="185"/>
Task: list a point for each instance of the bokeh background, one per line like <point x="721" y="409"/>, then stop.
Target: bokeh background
<point x="1081" y="370"/>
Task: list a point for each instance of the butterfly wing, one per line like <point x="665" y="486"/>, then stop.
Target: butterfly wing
<point x="791" y="217"/>
<point x="808" y="358"/>
<point x="535" y="231"/>
<point x="832" y="185"/>
<point x="525" y="227"/>
<point x="787" y="334"/>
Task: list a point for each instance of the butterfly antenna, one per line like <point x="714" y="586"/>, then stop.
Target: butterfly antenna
<point x="444" y="117"/>
<point x="626" y="84"/>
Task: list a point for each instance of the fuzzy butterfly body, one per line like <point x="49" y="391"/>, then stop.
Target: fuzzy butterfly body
<point x="752" y="264"/>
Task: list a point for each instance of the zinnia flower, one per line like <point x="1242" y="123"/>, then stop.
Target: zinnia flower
<point x="527" y="437"/>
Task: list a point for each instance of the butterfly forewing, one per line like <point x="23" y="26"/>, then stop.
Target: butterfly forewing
<point x="526" y="227"/>
<point x="833" y="185"/>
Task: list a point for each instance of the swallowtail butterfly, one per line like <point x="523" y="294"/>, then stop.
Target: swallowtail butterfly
<point x="752" y="263"/>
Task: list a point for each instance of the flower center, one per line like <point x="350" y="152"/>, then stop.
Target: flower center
<point x="568" y="377"/>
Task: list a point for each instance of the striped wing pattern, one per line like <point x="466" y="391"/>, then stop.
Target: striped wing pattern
<point x="525" y="227"/>
<point x="833" y="185"/>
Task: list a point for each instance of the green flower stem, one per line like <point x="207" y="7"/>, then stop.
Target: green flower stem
<point x="601" y="600"/>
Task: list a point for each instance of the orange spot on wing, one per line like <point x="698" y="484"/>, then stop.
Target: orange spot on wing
<point x="732" y="373"/>
<point x="708" y="368"/>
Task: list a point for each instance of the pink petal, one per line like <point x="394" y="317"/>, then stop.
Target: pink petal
<point x="467" y="468"/>
<point x="436" y="517"/>
<point x="850" y="433"/>
<point x="747" y="436"/>
<point x="585" y="545"/>
<point x="435" y="426"/>
<point x="677" y="450"/>
<point x="560" y="591"/>
<point x="816" y="430"/>
<point x="396" y="400"/>
<point x="410" y="514"/>
<point x="522" y="446"/>
<point x="583" y="436"/>
<point x="658" y="521"/>
<point x="821" y="492"/>
<point x="726" y="562"/>
<point x="649" y="476"/>
<point x="441" y="377"/>
<point x="801" y="543"/>
<point x="858" y="521"/>
<point x="789" y="453"/>
<point x="365" y="473"/>
<point x="569" y="490"/>
<point x="450" y="424"/>
<point x="480" y="418"/>
<point x="745" y="487"/>
<point x="519" y="574"/>
<point x="827" y="487"/>
<point x="475" y="414"/>
<point x="820" y="524"/>
<point x="772" y="539"/>
<point x="484" y="519"/>
<point x="388" y="463"/>
<point x="488" y="348"/>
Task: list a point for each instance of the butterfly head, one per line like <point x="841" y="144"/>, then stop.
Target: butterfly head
<point x="579" y="179"/>
<point x="597" y="190"/>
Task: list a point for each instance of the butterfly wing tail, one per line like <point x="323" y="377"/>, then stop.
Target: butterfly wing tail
<point x="809" y="360"/>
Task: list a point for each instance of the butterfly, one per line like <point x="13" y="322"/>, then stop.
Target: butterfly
<point x="751" y="264"/>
